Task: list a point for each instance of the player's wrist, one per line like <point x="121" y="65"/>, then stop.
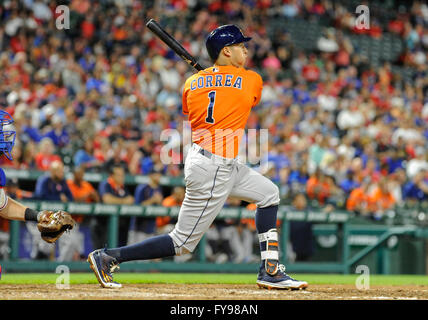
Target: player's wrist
<point x="31" y="215"/>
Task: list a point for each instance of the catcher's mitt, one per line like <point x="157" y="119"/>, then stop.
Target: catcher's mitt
<point x="53" y="224"/>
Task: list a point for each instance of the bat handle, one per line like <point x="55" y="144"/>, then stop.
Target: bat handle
<point x="198" y="67"/>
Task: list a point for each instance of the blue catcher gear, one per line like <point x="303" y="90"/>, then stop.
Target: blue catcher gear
<point x="7" y="138"/>
<point x="2" y="178"/>
<point x="223" y="36"/>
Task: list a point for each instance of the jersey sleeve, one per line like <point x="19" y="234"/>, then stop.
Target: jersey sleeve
<point x="258" y="87"/>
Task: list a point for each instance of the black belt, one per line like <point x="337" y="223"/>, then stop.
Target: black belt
<point x="205" y="153"/>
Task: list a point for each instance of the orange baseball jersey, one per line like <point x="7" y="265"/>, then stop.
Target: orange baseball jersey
<point x="80" y="191"/>
<point x="218" y="101"/>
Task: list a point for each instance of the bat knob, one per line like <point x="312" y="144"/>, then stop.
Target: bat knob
<point x="150" y="22"/>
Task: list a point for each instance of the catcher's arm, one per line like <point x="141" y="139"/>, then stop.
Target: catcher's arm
<point x="50" y="224"/>
<point x="11" y="209"/>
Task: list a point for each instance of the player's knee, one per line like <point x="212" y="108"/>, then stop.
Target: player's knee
<point x="271" y="196"/>
<point x="182" y="250"/>
<point x="182" y="243"/>
<point x="185" y="248"/>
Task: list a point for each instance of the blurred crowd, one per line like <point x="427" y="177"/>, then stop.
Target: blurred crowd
<point x="96" y="97"/>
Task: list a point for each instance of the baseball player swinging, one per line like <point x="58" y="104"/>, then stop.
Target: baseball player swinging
<point x="218" y="101"/>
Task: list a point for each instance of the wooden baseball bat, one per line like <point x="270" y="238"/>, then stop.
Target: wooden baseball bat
<point x="173" y="44"/>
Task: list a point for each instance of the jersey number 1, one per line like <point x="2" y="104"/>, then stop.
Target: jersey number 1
<point x="211" y="97"/>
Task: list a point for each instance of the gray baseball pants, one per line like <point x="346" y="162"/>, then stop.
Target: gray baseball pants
<point x="210" y="180"/>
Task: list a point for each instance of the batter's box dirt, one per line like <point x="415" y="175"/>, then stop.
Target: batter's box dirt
<point x="209" y="292"/>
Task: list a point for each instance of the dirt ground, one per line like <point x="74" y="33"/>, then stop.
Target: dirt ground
<point x="209" y="292"/>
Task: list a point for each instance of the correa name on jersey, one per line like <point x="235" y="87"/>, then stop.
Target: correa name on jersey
<point x="215" y="81"/>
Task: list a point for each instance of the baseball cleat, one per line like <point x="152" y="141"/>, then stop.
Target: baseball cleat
<point x="279" y="280"/>
<point x="103" y="266"/>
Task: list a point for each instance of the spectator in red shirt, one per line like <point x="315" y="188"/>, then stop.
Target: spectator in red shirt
<point x="46" y="155"/>
<point x="311" y="72"/>
<point x="88" y="27"/>
<point x="396" y="26"/>
<point x="375" y="30"/>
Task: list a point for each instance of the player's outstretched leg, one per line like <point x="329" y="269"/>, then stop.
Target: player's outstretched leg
<point x="272" y="274"/>
<point x="252" y="187"/>
<point x="106" y="261"/>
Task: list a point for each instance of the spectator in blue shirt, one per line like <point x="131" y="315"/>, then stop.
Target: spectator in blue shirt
<point x="298" y="179"/>
<point x="58" y="134"/>
<point x="87" y="61"/>
<point x="53" y="185"/>
<point x="96" y="82"/>
<point x="416" y="190"/>
<point x="349" y="183"/>
<point x="395" y="160"/>
<point x="279" y="158"/>
<point x="84" y="156"/>
<point x="151" y="163"/>
<point x="28" y="131"/>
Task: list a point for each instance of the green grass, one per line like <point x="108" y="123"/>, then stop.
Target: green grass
<point x="141" y="278"/>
